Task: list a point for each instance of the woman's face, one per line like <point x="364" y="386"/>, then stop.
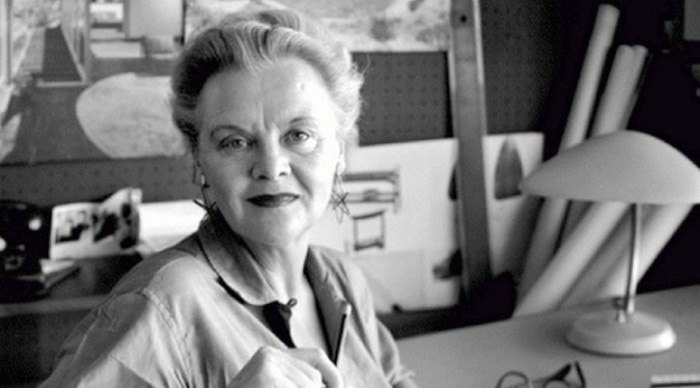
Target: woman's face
<point x="269" y="149"/>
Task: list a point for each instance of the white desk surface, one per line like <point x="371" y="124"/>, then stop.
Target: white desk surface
<point x="477" y="356"/>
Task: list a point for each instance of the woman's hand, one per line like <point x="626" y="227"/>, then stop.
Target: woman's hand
<point x="302" y="368"/>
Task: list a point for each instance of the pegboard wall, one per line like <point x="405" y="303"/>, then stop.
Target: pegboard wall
<point x="406" y="98"/>
<point x="520" y="46"/>
<point x="161" y="179"/>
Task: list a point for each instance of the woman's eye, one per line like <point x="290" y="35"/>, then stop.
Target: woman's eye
<point x="298" y="136"/>
<point x="300" y="140"/>
<point x="235" y="143"/>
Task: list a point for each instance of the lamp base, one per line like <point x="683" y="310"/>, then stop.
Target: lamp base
<point x="639" y="334"/>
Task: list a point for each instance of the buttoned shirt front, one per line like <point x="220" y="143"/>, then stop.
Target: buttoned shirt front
<point x="185" y="318"/>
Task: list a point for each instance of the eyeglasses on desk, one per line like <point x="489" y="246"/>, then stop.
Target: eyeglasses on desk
<point x="568" y="376"/>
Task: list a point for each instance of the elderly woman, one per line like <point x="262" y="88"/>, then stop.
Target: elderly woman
<point x="269" y="105"/>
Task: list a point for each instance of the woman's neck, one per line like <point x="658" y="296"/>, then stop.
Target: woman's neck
<point x="283" y="267"/>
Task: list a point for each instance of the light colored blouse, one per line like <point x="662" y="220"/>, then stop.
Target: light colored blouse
<point x="183" y="318"/>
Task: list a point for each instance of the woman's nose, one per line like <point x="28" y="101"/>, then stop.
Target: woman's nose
<point x="270" y="163"/>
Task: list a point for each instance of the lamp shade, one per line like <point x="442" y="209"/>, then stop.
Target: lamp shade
<point x="623" y="166"/>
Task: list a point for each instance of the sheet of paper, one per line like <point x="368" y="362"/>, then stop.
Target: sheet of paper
<point x="511" y="214"/>
<point x="164" y="224"/>
<point x="398" y="197"/>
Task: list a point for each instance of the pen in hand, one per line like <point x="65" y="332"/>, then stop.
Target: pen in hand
<point x="345" y="313"/>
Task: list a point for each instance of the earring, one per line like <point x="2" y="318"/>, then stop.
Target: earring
<point x="205" y="203"/>
<point x="203" y="181"/>
<point x="338" y="197"/>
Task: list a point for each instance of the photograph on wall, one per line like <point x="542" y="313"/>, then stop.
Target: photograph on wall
<point x="361" y="25"/>
<point x="88" y="80"/>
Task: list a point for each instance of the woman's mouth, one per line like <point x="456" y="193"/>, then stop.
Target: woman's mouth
<point x="269" y="200"/>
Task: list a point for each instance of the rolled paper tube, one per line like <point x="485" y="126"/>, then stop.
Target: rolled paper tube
<point x="615" y="98"/>
<point x="550" y="220"/>
<point x="642" y="56"/>
<point x="571" y="258"/>
<point x="617" y="101"/>
<point x="657" y="230"/>
<point x="598" y="46"/>
<point x="574" y="214"/>
<point x="543" y="241"/>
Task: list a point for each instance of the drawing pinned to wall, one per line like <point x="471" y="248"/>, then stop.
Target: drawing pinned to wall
<point x="362" y="25"/>
<point x="509" y="170"/>
<point x="402" y="224"/>
<point x="369" y="230"/>
<point x="511" y="214"/>
<point x="373" y="186"/>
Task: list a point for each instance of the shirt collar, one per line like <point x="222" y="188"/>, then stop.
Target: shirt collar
<point x="236" y="267"/>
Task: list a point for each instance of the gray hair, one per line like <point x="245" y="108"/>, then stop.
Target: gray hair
<point x="249" y="40"/>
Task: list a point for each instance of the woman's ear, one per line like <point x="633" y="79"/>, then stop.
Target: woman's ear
<point x="340" y="166"/>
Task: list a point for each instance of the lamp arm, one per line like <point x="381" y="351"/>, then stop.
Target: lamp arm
<point x="633" y="266"/>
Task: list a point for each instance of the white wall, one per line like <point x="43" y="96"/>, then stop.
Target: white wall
<point x="152" y="17"/>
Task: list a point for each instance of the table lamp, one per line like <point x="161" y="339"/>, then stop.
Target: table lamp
<point x="631" y="167"/>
